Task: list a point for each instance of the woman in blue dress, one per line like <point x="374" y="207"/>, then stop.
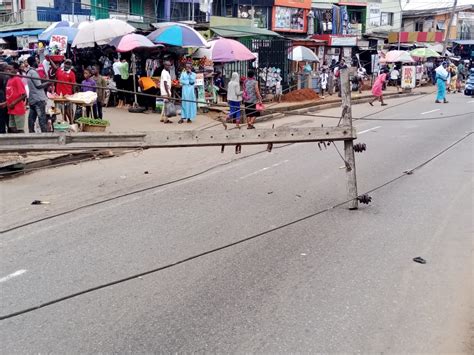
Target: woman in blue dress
<point x="188" y="106"/>
<point x="441" y="77"/>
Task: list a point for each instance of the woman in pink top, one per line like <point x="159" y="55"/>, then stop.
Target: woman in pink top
<point x="377" y="87"/>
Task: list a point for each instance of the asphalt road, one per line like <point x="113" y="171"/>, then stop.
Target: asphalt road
<point x="342" y="281"/>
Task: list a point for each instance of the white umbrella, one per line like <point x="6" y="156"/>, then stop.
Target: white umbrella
<point x="101" y="32"/>
<point x="302" y="54"/>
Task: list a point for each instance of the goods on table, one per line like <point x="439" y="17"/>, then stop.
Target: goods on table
<point x="88" y="97"/>
<point x="300" y="95"/>
<point x="92" y="124"/>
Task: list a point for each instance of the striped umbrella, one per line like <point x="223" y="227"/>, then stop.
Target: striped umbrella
<point x="178" y="35"/>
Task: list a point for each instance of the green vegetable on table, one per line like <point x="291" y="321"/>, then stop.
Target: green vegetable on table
<point x="93" y="121"/>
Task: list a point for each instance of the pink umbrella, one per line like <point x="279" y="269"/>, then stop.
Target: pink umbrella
<point x="223" y="50"/>
<point x="131" y="42"/>
<point x="397" y="56"/>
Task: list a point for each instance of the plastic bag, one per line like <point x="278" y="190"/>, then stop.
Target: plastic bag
<point x="260" y="107"/>
<point x="170" y="109"/>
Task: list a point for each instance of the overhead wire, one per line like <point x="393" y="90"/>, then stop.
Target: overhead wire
<point x="230" y="245"/>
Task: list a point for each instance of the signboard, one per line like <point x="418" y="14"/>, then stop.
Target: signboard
<point x="299" y="4"/>
<point x="343" y="41"/>
<point x="374" y="14"/>
<point x="199" y="79"/>
<point x="408" y="77"/>
<point x="289" y="19"/>
<point x="60" y="42"/>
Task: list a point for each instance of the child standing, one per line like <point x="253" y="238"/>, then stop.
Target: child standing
<point x="88" y="84"/>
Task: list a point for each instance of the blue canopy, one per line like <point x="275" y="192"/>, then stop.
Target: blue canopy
<point x="20" y="33"/>
<point x="69" y="32"/>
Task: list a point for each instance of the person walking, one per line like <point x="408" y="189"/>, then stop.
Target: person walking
<point x="378" y="86"/>
<point x="165" y="89"/>
<point x="453" y="78"/>
<point x="188" y="106"/>
<point x="234" y="97"/>
<point x="251" y="97"/>
<point x="441" y="78"/>
<point x="100" y="84"/>
<point x="37" y="98"/>
<point x="15" y="96"/>
<point x="324" y="77"/>
<point x="394" y="78"/>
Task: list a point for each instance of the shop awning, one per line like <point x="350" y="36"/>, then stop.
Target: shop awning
<point x="465" y="42"/>
<point x="242" y="31"/>
<point x="20" y="33"/>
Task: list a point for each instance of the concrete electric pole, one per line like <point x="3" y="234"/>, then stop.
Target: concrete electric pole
<point x="446" y="36"/>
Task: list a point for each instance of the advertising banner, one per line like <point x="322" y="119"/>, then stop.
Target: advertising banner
<point x="60" y="42"/>
<point x="289" y="19"/>
<point x="408" y="77"/>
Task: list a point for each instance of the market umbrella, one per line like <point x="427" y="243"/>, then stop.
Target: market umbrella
<point x="397" y="56"/>
<point x="424" y="53"/>
<point x="69" y="32"/>
<point x="223" y="50"/>
<point x="101" y="32"/>
<point x="178" y="35"/>
<point x="58" y="25"/>
<point x="302" y="54"/>
<point x="130" y="42"/>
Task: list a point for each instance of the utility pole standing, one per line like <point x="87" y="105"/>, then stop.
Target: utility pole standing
<point x="348" y="144"/>
<point x="446" y="35"/>
<point x="401" y="18"/>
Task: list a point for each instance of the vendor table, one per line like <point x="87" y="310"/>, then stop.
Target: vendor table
<point x="61" y="102"/>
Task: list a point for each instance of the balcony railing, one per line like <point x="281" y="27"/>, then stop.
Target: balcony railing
<point x="47" y="14"/>
<point x="12" y="18"/>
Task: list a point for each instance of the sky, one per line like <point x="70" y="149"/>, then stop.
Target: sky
<point x="431" y="4"/>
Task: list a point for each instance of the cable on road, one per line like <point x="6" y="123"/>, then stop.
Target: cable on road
<point x="389" y="119"/>
<point x="227" y="246"/>
<point x="135" y="191"/>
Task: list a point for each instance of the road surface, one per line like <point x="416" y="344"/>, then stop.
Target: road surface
<point x="340" y="281"/>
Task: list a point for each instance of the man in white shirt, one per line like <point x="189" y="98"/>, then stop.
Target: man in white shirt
<point x="165" y="89"/>
<point x="394" y="78"/>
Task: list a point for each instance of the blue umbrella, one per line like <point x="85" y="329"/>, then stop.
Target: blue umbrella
<point x="69" y="32"/>
<point x="178" y="35"/>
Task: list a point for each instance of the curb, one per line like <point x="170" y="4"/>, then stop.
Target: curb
<point x="16" y="168"/>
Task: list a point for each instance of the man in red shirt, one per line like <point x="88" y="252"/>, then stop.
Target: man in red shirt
<point x="65" y="75"/>
<point x="15" y="95"/>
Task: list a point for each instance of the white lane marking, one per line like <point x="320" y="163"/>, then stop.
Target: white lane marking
<point x="424" y="113"/>
<point x="368" y="130"/>
<point x="470" y="102"/>
<point x="263" y="169"/>
<point x="11" y="276"/>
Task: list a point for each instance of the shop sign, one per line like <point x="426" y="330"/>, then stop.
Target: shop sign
<point x="288" y="19"/>
<point x="300" y="4"/>
<point x="374" y="14"/>
<point x="60" y="42"/>
<point x="199" y="79"/>
<point x="343" y="41"/>
<point x="408" y="77"/>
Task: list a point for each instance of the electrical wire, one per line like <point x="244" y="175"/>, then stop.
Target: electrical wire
<point x="227" y="246"/>
<point x="188" y="177"/>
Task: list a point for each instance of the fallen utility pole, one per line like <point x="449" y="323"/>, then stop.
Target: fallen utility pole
<point x="79" y="141"/>
<point x="348" y="144"/>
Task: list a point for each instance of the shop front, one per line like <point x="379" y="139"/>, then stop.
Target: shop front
<point x="338" y="47"/>
<point x="291" y="16"/>
<point x="259" y="11"/>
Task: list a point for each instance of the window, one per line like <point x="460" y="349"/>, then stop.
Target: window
<point x="419" y="26"/>
<point x="386" y="19"/>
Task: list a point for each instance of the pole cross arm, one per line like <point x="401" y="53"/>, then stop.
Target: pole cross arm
<point x="30" y="142"/>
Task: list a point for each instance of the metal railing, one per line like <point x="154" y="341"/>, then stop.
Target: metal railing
<point x="12" y="18"/>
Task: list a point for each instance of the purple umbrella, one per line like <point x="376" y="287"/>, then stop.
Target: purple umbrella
<point x="225" y="50"/>
<point x="130" y="42"/>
